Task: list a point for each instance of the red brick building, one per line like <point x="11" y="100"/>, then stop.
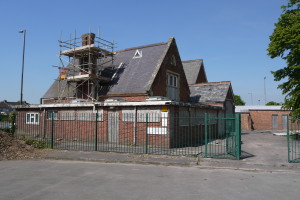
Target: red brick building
<point x="121" y="88"/>
<point x="263" y="117"/>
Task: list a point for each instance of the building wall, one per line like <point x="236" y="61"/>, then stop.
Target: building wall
<point x="246" y="121"/>
<point x="159" y="87"/>
<point x="165" y="127"/>
<point x="201" y="78"/>
<point x="262" y="119"/>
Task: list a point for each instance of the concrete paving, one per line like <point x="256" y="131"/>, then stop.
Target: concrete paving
<point x="261" y="151"/>
<point x="77" y="180"/>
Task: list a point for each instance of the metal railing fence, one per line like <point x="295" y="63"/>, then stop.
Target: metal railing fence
<point x="150" y="133"/>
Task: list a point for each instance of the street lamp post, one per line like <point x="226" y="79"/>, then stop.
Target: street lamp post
<point x="24" y="38"/>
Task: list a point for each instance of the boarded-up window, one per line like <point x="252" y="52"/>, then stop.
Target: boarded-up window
<point x="128" y="115"/>
<point x="85" y="116"/>
<point x="151" y="115"/>
<point x="89" y="115"/>
<point x="67" y="115"/>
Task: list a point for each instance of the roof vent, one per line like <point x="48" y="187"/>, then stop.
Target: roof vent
<point x="138" y="54"/>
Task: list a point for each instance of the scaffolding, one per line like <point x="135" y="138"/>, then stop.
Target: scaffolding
<point x="86" y="57"/>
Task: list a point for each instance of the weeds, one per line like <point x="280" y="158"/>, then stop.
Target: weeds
<point x="37" y="144"/>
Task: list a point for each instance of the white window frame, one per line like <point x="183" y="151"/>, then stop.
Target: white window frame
<point x="33" y="118"/>
<point x="173" y="86"/>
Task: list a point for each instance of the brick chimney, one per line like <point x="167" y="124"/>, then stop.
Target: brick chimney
<point x="87" y="39"/>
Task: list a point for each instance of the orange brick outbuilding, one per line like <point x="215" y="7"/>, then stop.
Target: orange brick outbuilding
<point x="263" y="117"/>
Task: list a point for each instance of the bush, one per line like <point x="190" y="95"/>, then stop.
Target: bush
<point x="37" y="144"/>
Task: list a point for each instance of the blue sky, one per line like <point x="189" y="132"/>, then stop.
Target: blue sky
<point x="231" y="36"/>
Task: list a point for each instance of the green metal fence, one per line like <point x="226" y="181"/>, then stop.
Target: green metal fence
<point x="293" y="140"/>
<point x="206" y="135"/>
<point x="223" y="139"/>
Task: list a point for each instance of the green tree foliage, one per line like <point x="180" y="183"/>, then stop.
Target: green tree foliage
<point x="273" y="103"/>
<point x="285" y="43"/>
<point x="238" y="100"/>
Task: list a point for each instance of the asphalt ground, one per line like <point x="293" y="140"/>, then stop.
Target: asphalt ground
<point x="78" y="180"/>
<point x="263" y="173"/>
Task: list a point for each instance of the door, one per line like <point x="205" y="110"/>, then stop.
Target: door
<point x="284" y="122"/>
<point x="113" y="126"/>
<point x="274" y="122"/>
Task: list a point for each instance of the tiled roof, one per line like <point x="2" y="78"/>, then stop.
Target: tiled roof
<point x="192" y="69"/>
<point x="135" y="74"/>
<point x="213" y="92"/>
<point x="7" y="104"/>
<point x="59" y="88"/>
<point x="128" y="75"/>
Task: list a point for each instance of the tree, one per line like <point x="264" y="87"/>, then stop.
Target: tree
<point x="238" y="100"/>
<point x="285" y="43"/>
<point x="273" y="103"/>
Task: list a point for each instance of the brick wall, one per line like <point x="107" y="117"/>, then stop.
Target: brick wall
<point x="246" y="121"/>
<point x="159" y="87"/>
<point x="73" y="129"/>
<point x="262" y="119"/>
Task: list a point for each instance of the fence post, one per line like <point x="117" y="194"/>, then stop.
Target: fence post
<point x="238" y="135"/>
<point x="146" y="133"/>
<point x="52" y="128"/>
<point x="96" y="132"/>
<point x="206" y="133"/>
<point x="288" y="140"/>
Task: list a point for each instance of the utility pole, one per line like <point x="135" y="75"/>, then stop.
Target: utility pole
<point x="24" y="38"/>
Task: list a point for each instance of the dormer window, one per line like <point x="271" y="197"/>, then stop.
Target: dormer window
<point x="137" y="54"/>
<point x="173" y="60"/>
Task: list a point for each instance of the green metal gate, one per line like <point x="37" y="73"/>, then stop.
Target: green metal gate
<point x="223" y="136"/>
<point x="293" y="140"/>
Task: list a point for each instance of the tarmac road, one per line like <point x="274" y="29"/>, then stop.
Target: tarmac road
<point x="81" y="180"/>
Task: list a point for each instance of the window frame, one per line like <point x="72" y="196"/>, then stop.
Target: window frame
<point x="55" y="117"/>
<point x="33" y="115"/>
<point x="173" y="84"/>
